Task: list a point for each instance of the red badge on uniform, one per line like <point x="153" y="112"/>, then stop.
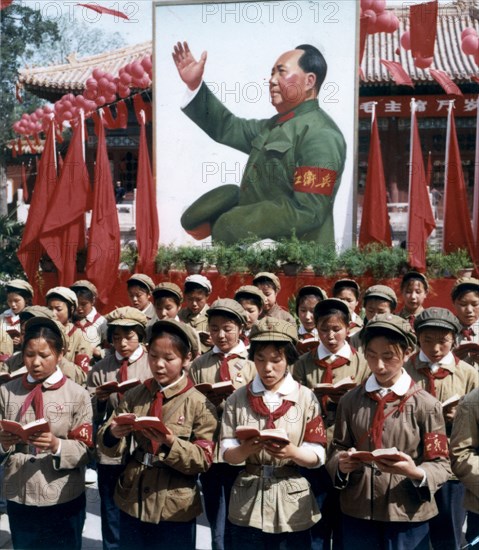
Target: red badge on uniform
<point x="83" y="433"/>
<point x="315" y="432"/>
<point x="435" y="446"/>
<point x="312" y="179"/>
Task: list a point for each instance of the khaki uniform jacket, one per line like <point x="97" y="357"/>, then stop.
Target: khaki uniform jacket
<point x="307" y="373"/>
<point x="76" y="343"/>
<point x="41" y="479"/>
<point x="6" y="343"/>
<point x="69" y="369"/>
<point x="279" y="313"/>
<point x="389" y="497"/>
<point x="167" y="491"/>
<point x="276" y="504"/>
<point x="465" y="448"/>
<point x="198" y="321"/>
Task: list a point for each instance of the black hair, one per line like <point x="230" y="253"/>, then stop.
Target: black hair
<point x="136" y="328"/>
<point x="304" y="297"/>
<point x="342" y="285"/>
<point x="290" y="352"/>
<point x="256" y="300"/>
<point x="52" y="337"/>
<point x="84" y="293"/>
<point x="312" y="61"/>
<point x="265" y="281"/>
<point x="70" y="307"/>
<point x="464" y="289"/>
<point x="333" y="312"/>
<point x="158" y="294"/>
<point x="221" y="313"/>
<point x="392" y="337"/>
<point x="177" y="339"/>
<point x="191" y="287"/>
<point x="27" y="296"/>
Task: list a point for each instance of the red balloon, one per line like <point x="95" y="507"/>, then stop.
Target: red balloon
<point x="111" y="88"/>
<point x="467" y="31"/>
<point x="110" y="98"/>
<point x="379" y="6"/>
<point x="383" y="21"/>
<point x="137" y="70"/>
<point x="470" y="44"/>
<point x="67" y="115"/>
<point x="90" y="93"/>
<point x="67" y="105"/>
<point x="371" y="14"/>
<point x="91" y="83"/>
<point x="423" y="62"/>
<point x="367" y="4"/>
<point x="123" y="91"/>
<point x="103" y="83"/>
<point x="97" y="73"/>
<point x="476" y="58"/>
<point x="146" y="63"/>
<point x="47" y="109"/>
<point x="109" y="76"/>
<point x="100" y="100"/>
<point x="393" y="23"/>
<point x="69" y="97"/>
<point x="125" y="78"/>
<point x="406" y="40"/>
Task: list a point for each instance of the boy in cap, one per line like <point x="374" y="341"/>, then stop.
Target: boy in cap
<point x="269" y="284"/>
<point x="414" y="289"/>
<point x="348" y="291"/>
<point x="306" y="300"/>
<point x="465" y="458"/>
<point x="126" y="334"/>
<point x="387" y="502"/>
<point x="86" y="318"/>
<point x="252" y="301"/>
<point x="227" y="361"/>
<point x="465" y="297"/>
<point x="63" y="302"/>
<point x="436" y="369"/>
<point x="197" y="290"/>
<point x="167" y="299"/>
<point x="140" y="287"/>
<point x="377" y="299"/>
<point x="19" y="296"/>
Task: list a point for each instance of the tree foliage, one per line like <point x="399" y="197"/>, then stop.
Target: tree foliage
<point x="10" y="237"/>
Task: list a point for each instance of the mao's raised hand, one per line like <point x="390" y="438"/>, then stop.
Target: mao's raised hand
<point x="190" y="70"/>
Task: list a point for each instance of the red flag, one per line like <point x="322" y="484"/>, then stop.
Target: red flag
<point x="101" y="9"/>
<point x="423" y="28"/>
<point x="375" y="225"/>
<point x="421" y="217"/>
<point x="445" y="82"/>
<point x="104" y="236"/>
<point x="63" y="232"/>
<point x="147" y="230"/>
<point x="30" y="250"/>
<point x="457" y="219"/>
<point x="399" y="75"/>
<point x="4" y="4"/>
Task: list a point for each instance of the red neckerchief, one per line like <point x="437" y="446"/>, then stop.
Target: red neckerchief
<point x="468" y="332"/>
<point x="86" y="324"/>
<point x="257" y="404"/>
<point x="224" y="368"/>
<point x="156" y="407"/>
<point x="35" y="397"/>
<point x="440" y="374"/>
<point x="327" y="377"/>
<point x="12" y="323"/>
<point x="376" y="431"/>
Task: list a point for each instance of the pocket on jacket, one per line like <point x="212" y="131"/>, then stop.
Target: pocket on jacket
<point x="179" y="502"/>
<point x="244" y="494"/>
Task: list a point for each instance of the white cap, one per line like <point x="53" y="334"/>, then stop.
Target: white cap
<point x="199" y="280"/>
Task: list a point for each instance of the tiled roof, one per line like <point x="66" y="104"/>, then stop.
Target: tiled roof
<point x="56" y="80"/>
<point x="448" y="55"/>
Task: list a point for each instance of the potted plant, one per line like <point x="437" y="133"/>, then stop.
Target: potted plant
<point x="165" y="258"/>
<point x="193" y="257"/>
<point x="458" y="264"/>
<point x="384" y="262"/>
<point x="324" y="259"/>
<point x="260" y="257"/>
<point x="229" y="259"/>
<point x="293" y="254"/>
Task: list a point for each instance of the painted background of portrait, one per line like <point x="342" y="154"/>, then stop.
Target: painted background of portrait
<point x="243" y="40"/>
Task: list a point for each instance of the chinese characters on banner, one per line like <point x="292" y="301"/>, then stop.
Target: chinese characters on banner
<point x="426" y="106"/>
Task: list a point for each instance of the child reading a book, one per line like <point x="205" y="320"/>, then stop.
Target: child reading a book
<point x="306" y="300"/>
<point x="414" y="289"/>
<point x="19" y="296"/>
<point x="272" y="505"/>
<point x="465" y="297"/>
<point x="269" y="284"/>
<point x="227" y="361"/>
<point x="197" y="290"/>
<point x="436" y="369"/>
<point x="348" y="291"/>
<point x="388" y="503"/>
<point x="332" y="361"/>
<point x="158" y="493"/>
<point x="44" y="477"/>
<point x="126" y="333"/>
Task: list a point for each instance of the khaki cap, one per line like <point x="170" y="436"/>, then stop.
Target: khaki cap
<point x="49" y="323"/>
<point x="415" y="275"/>
<point x="437" y="317"/>
<point x="322" y="308"/>
<point x="19" y="284"/>
<point x="199" y="280"/>
<point x="168" y="288"/>
<point x="394" y="323"/>
<point x="36" y="311"/>
<point x="270" y="329"/>
<point x="311" y="289"/>
<point x="270" y="276"/>
<point x="250" y="290"/>
<point x="83" y="283"/>
<point x="464" y="284"/>
<point x="65" y="293"/>
<point x="126" y="317"/>
<point x="383" y="292"/>
<point x="142" y="280"/>
<point x="345" y="283"/>
<point x="229" y="306"/>
<point x="186" y="332"/>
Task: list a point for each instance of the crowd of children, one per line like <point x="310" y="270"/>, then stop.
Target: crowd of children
<point x="323" y="429"/>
